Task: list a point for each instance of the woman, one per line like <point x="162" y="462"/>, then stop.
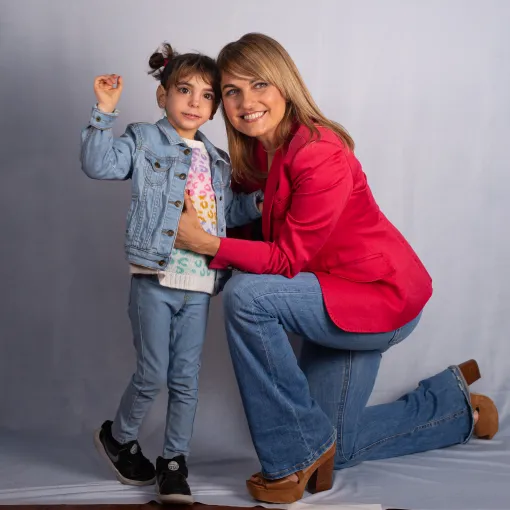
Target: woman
<point x="331" y="268"/>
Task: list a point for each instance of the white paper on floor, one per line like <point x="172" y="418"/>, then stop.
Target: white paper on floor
<point x="312" y="506"/>
<point x="69" y="471"/>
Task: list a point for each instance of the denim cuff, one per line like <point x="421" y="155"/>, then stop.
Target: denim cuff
<point x="464" y="387"/>
<point x="256" y="197"/>
<point x="102" y="120"/>
<point x="306" y="463"/>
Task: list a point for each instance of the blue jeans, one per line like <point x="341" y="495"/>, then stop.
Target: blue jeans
<point x="297" y="409"/>
<point x="169" y="328"/>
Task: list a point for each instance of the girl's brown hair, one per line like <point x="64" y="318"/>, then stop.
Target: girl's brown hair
<point x="169" y="67"/>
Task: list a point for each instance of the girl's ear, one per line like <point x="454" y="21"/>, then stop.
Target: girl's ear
<point x="161" y="96"/>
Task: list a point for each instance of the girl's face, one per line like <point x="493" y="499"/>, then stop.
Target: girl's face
<point x="188" y="104"/>
<point x="254" y="107"/>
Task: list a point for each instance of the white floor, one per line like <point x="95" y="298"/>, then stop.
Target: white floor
<point x="475" y="476"/>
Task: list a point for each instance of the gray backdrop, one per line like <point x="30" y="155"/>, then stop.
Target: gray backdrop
<point x="422" y="87"/>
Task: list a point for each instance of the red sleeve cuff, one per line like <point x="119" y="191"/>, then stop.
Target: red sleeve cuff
<point x="221" y="259"/>
<point x="240" y="254"/>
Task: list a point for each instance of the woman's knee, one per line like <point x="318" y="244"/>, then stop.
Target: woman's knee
<point x="239" y="291"/>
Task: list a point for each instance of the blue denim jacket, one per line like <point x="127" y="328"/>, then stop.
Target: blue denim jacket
<point x="157" y="161"/>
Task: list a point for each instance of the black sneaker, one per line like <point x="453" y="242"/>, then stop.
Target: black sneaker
<point x="127" y="461"/>
<point x="171" y="481"/>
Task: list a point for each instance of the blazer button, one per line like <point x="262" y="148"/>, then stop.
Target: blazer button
<point x="161" y="263"/>
<point x="187" y="151"/>
<point x="182" y="177"/>
<point x="169" y="233"/>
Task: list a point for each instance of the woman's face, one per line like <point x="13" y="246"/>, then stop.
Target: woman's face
<point x="254" y="107"/>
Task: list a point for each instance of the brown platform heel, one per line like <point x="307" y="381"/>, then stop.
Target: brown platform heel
<point x="470" y="371"/>
<point x="318" y="477"/>
<point x="488" y="420"/>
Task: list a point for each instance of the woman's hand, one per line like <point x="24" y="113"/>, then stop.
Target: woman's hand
<point x="190" y="234"/>
<point x="108" y="88"/>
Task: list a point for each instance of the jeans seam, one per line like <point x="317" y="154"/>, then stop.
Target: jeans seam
<point x="395" y="338"/>
<point x="141" y="348"/>
<point x="429" y="424"/>
<point x="340" y="425"/>
<point x="284" y="292"/>
<point x="272" y="373"/>
<point x="464" y="387"/>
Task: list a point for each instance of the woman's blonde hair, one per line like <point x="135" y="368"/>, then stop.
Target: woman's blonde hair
<point x="259" y="56"/>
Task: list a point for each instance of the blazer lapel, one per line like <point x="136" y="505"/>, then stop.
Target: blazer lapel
<point x="271" y="186"/>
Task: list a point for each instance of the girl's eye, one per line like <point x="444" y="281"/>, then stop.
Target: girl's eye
<point x="183" y="90"/>
<point x="208" y="96"/>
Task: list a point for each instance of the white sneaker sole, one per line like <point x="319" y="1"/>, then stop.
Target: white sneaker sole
<point x="175" y="499"/>
<point x="126" y="481"/>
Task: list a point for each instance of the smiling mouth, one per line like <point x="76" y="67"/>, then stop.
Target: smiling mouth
<point x="191" y="116"/>
<point x="252" y="117"/>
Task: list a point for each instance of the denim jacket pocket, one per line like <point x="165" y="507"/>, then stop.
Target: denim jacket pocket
<point x="156" y="169"/>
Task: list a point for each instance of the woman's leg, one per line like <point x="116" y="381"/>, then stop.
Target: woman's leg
<point x="291" y="426"/>
<point x="289" y="430"/>
<point x="434" y="415"/>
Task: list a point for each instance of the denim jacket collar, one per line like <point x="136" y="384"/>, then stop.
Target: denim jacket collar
<point x="175" y="139"/>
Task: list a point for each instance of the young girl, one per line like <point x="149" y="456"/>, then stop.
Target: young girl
<point x="170" y="288"/>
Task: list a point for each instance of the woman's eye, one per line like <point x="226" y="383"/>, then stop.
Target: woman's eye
<point x="231" y="92"/>
<point x="261" y="85"/>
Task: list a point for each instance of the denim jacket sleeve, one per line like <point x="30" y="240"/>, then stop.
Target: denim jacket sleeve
<point x="102" y="155"/>
<point x="241" y="208"/>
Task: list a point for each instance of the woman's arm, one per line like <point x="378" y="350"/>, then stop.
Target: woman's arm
<point x="322" y="185"/>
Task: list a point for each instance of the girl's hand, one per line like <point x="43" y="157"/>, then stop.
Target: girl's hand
<point x="108" y="88"/>
<point x="190" y="234"/>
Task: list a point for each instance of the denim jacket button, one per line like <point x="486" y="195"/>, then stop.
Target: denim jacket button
<point x="98" y="119"/>
<point x="186" y="151"/>
<point x="161" y="263"/>
<point x="169" y="233"/>
<point x="182" y="177"/>
<point x="221" y="198"/>
<point x="178" y="203"/>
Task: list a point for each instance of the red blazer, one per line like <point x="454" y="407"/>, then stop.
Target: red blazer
<point x="320" y="216"/>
